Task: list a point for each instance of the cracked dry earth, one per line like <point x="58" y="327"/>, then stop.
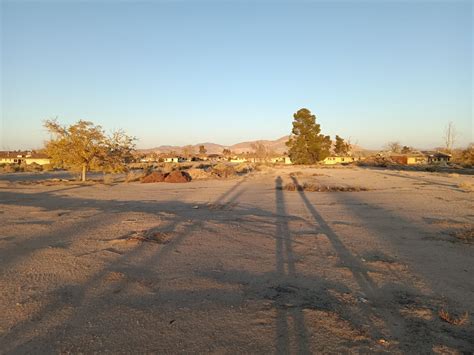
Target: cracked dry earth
<point x="238" y="266"/>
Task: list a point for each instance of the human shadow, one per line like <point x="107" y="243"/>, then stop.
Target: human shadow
<point x="397" y="326"/>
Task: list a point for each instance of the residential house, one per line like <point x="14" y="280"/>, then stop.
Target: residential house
<point x="19" y="157"/>
<point x="437" y="157"/>
<point x="409" y="159"/>
<point x="338" y="160"/>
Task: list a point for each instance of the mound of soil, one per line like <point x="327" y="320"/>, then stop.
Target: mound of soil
<point x="155" y="176"/>
<point x="178" y="177"/>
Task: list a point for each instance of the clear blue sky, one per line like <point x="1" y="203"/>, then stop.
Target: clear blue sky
<point x="181" y="72"/>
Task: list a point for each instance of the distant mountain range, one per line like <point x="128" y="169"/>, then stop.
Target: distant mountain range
<point x="277" y="146"/>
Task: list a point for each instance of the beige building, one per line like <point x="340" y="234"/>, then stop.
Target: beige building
<point x="24" y="157"/>
<point x="338" y="160"/>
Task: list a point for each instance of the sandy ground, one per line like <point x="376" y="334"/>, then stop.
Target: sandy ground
<point x="238" y="266"/>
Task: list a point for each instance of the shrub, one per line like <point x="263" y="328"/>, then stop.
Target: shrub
<point x="198" y="174"/>
<point x="108" y="179"/>
<point x="222" y="170"/>
<point x="243" y="168"/>
<point x="33" y="167"/>
<point x="133" y="176"/>
<point x="466" y="186"/>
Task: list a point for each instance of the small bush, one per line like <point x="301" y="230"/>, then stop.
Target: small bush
<point x="448" y="318"/>
<point x="11" y="168"/>
<point x="108" y="179"/>
<point x="320" y="188"/>
<point x="198" y="174"/>
<point x="243" y="168"/>
<point x="133" y="176"/>
<point x="466" y="186"/>
<point x="223" y="171"/>
<point x="33" y="167"/>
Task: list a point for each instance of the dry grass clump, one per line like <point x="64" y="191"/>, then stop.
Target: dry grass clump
<point x="466" y="186"/>
<point x="310" y="187"/>
<point x="146" y="236"/>
<point x="448" y="318"/>
<point x="133" y="176"/>
<point x="296" y="173"/>
<point x="198" y="174"/>
<point x="224" y="171"/>
<point x="108" y="179"/>
<point x="243" y="168"/>
<point x="465" y="235"/>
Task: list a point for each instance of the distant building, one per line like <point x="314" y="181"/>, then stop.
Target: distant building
<point x="338" y="160"/>
<point x="215" y="157"/>
<point x="410" y="159"/>
<point x="437" y="157"/>
<point x="173" y="159"/>
<point x="19" y="157"/>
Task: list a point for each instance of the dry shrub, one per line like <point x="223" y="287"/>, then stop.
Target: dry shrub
<point x="466" y="186"/>
<point x="133" y="176"/>
<point x="33" y="167"/>
<point x="465" y="235"/>
<point x="108" y="179"/>
<point x="310" y="187"/>
<point x="296" y="173"/>
<point x="11" y="168"/>
<point x="243" y="168"/>
<point x="178" y="176"/>
<point x="147" y="236"/>
<point x="169" y="167"/>
<point x="198" y="174"/>
<point x="223" y="171"/>
<point x="203" y="166"/>
<point x="155" y="176"/>
<point x="263" y="167"/>
<point x="448" y="318"/>
<point x="48" y="167"/>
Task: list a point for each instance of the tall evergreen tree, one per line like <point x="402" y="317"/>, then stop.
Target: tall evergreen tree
<point x="341" y="148"/>
<point x="306" y="145"/>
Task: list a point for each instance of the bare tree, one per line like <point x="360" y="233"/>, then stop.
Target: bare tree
<point x="394" y="147"/>
<point x="188" y="151"/>
<point x="449" y="136"/>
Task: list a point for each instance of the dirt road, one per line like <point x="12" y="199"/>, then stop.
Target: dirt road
<point x="238" y="266"/>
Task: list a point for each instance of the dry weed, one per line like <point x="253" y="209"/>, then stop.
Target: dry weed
<point x="466" y="186"/>
<point x="448" y="318"/>
<point x="133" y="176"/>
<point x="311" y="187"/>
<point x="466" y="235"/>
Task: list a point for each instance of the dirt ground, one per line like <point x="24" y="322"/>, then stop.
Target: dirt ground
<point x="239" y="265"/>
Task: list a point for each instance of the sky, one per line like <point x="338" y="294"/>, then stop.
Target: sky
<point x="187" y="72"/>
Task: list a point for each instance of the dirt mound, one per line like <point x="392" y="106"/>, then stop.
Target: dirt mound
<point x="155" y="176"/>
<point x="178" y="177"/>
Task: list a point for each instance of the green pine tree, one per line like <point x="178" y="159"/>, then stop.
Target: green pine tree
<point x="306" y="145"/>
<point x="341" y="148"/>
